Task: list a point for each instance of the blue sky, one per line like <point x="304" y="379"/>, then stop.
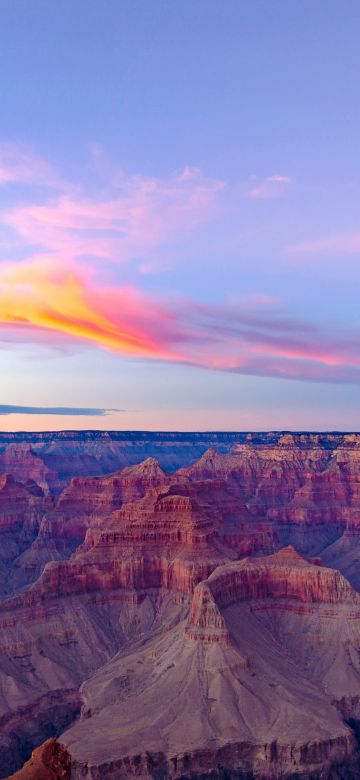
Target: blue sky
<point x="179" y="190"/>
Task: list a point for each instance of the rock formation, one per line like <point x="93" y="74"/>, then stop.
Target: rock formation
<point x="51" y="761"/>
<point x="226" y="590"/>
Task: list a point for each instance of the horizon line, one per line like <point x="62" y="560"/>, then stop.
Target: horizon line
<point x="175" y="431"/>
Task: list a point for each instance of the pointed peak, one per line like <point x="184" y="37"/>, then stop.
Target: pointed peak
<point x="209" y="454"/>
<point x="289" y="555"/>
<point x="150" y="467"/>
<point x="150" y="464"/>
<point x="151" y="461"/>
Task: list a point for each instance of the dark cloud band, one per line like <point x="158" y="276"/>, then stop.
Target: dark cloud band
<point x="60" y="410"/>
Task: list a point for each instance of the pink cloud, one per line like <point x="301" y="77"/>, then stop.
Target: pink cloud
<point x="137" y="214"/>
<point x="117" y="216"/>
<point x="19" y="164"/>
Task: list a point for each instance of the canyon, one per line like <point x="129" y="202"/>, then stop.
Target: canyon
<point x="179" y="605"/>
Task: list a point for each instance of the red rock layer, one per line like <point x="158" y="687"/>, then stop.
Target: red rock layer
<point x="164" y="540"/>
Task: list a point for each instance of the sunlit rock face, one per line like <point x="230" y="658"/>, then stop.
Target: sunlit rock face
<point x="226" y="590"/>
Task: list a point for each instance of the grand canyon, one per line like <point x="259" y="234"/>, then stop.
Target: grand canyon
<point x="179" y="605"/>
<point x="179" y="380"/>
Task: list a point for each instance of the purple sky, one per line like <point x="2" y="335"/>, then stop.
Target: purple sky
<point x="179" y="190"/>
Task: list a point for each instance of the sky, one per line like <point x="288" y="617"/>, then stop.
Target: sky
<point x="179" y="215"/>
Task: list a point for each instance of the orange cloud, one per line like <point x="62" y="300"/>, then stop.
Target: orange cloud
<point x="60" y="299"/>
<point x="44" y="301"/>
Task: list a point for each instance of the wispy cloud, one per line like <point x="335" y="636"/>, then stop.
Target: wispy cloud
<point x="336" y="244"/>
<point x="271" y="187"/>
<point x="19" y="164"/>
<point x="251" y="338"/>
<point x="109" y="214"/>
<point x="58" y="410"/>
<point x="115" y="222"/>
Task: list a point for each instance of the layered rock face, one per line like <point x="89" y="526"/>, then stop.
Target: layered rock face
<point x="86" y="496"/>
<point x="285" y="575"/>
<point x="188" y="588"/>
<point x="307" y="496"/>
<point x="51" y="529"/>
<point x="22" y="507"/>
<point x="21" y="462"/>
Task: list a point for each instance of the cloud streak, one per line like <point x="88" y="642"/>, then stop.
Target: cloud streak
<point x="6" y="409"/>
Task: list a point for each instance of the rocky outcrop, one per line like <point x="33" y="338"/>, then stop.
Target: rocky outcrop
<point x="21" y="506"/>
<point x="285" y="580"/>
<point x="51" y="761"/>
<point x="29" y="726"/>
<point x="100" y="496"/>
<point x="284" y="575"/>
<point x="206" y="623"/>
